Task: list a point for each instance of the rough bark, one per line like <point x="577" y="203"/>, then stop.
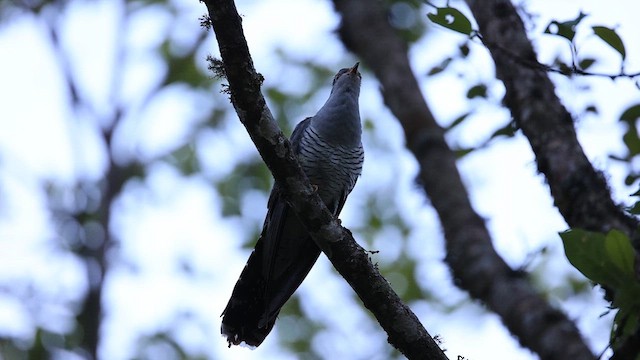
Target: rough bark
<point x="579" y="191"/>
<point x="405" y="331"/>
<point x="474" y="262"/>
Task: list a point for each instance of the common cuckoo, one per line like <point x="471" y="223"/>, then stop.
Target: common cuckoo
<point x="330" y="152"/>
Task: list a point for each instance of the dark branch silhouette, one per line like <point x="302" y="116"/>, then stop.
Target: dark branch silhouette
<point x="580" y="192"/>
<point x="573" y="70"/>
<point x="89" y="317"/>
<point x="474" y="262"/>
<point x="405" y="331"/>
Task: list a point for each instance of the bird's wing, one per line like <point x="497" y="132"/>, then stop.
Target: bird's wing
<point x="282" y="258"/>
<point x="289" y="255"/>
<point x="355" y="161"/>
<point x="289" y="252"/>
<point x="298" y="131"/>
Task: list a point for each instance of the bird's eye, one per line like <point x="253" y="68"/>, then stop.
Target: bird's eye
<point x="340" y="73"/>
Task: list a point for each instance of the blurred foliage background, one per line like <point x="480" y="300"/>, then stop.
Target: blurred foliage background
<point x="130" y="195"/>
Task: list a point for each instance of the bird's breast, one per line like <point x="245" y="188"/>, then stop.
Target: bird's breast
<point x="333" y="168"/>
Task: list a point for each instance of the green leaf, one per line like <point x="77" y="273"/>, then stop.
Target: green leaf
<point x="479" y="90"/>
<point x="632" y="141"/>
<point x="184" y="158"/>
<point x="566" y="29"/>
<point x="565" y="68"/>
<point x="584" y="64"/>
<point x="592" y="109"/>
<point x="508" y="130"/>
<point x="619" y="158"/>
<point x="458" y="121"/>
<point x="452" y="19"/>
<point x="627" y="299"/>
<point x="277" y="96"/>
<point x="460" y="153"/>
<point x="369" y="124"/>
<point x="252" y="175"/>
<point x="631" y="114"/>
<point x="635" y="209"/>
<point x="440" y="67"/>
<point x="182" y="67"/>
<point x="606" y="260"/>
<point x="626" y="322"/>
<point x="464" y="50"/>
<point x="611" y="37"/>
<point x="620" y="251"/>
<point x="375" y="222"/>
<point x="630" y="179"/>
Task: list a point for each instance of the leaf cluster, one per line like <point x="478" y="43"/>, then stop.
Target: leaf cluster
<point x="608" y="260"/>
<point x="453" y="19"/>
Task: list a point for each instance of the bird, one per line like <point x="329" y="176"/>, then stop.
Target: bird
<point x="329" y="149"/>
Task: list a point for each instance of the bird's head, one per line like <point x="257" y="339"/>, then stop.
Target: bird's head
<point x="347" y="80"/>
<point x="338" y="120"/>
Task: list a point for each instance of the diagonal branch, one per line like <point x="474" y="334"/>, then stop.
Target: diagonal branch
<point x="580" y="192"/>
<point x="473" y="260"/>
<point x="405" y="331"/>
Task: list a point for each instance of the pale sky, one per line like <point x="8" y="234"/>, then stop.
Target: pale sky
<point x="169" y="219"/>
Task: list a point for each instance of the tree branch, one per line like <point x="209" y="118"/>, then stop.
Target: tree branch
<point x="574" y="69"/>
<point x="475" y="264"/>
<point x="580" y="192"/>
<point x="90" y="313"/>
<point x="405" y="331"/>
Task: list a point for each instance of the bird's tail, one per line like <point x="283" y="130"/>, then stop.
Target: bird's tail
<point x="281" y="260"/>
<point x="247" y="305"/>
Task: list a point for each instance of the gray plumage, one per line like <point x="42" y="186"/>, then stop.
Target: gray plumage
<point x="329" y="149"/>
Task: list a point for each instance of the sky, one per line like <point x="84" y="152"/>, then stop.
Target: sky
<point x="168" y="218"/>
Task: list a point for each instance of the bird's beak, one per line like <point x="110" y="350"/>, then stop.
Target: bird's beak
<point x="354" y="69"/>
